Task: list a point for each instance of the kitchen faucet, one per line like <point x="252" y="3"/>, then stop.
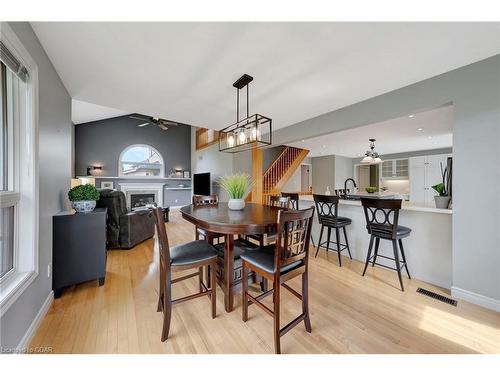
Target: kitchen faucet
<point x="345" y="186"/>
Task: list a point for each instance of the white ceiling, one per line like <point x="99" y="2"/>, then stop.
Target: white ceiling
<point x="184" y="71"/>
<point x="85" y="112"/>
<point x="392" y="136"/>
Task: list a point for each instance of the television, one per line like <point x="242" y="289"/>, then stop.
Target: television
<point x="201" y="184"/>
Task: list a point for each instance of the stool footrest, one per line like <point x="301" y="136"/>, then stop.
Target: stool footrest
<point x="322" y="245"/>
<point x="401" y="262"/>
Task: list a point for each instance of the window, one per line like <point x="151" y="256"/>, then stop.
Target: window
<point x="141" y="161"/>
<point x="18" y="169"/>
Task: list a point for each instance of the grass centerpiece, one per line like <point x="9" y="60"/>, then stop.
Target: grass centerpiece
<point x="83" y="197"/>
<point x="237" y="186"/>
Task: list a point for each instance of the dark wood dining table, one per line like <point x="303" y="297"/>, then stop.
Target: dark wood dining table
<point x="253" y="219"/>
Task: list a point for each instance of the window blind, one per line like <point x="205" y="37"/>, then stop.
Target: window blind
<point x="12" y="62"/>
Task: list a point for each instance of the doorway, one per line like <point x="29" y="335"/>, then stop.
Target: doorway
<point x="305" y="176"/>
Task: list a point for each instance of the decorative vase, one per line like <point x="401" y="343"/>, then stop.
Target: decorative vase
<point x="236" y="204"/>
<point x="83" y="206"/>
<point x="442" y="202"/>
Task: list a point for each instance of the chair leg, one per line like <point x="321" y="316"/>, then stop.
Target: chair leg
<point x="337" y="236"/>
<point x="244" y="290"/>
<point x="329" y="233"/>
<point x="213" y="293"/>
<point x="208" y="277"/>
<point x="368" y="255"/>
<point x="347" y="243"/>
<point x="200" y="278"/>
<point x="305" y="300"/>
<point x="312" y="241"/>
<point x="398" y="266"/>
<point x="196" y="234"/>
<point x="377" y="243"/>
<point x="263" y="285"/>
<point x="167" y="310"/>
<point x="276" y="303"/>
<point x="160" y="305"/>
<point x="403" y="256"/>
<point x="320" y="238"/>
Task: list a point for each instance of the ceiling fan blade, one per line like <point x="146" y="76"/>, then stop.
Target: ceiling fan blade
<point x="162" y="126"/>
<point x="167" y="122"/>
<point x="144" y="124"/>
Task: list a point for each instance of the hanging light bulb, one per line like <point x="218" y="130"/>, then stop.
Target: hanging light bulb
<point x="242" y="136"/>
<point x="230" y="140"/>
<point x="372" y="157"/>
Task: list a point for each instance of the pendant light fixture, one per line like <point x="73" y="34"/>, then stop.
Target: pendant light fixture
<point x="371" y="156"/>
<point x="250" y="132"/>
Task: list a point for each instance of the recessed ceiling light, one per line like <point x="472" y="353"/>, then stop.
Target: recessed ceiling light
<point x="420" y="129"/>
<point x="302" y="140"/>
<point x="411" y="116"/>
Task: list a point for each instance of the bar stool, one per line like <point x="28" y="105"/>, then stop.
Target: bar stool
<point x="382" y="217"/>
<point x="327" y="207"/>
<point x="206" y="200"/>
<point x="294" y="203"/>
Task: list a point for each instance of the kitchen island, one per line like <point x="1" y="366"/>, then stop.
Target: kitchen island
<point x="428" y="249"/>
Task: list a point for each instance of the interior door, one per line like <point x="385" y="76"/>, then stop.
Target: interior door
<point x="304" y="178"/>
<point x="417" y="171"/>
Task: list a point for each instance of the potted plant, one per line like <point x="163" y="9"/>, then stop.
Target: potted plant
<point x="237" y="186"/>
<point x="83" y="197"/>
<point x="442" y="200"/>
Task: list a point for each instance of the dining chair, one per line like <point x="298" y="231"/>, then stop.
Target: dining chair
<point x="191" y="255"/>
<point x="327" y="208"/>
<point x="294" y="203"/>
<point x="206" y="200"/>
<point x="273" y="201"/>
<point x="279" y="263"/>
<point x="382" y="222"/>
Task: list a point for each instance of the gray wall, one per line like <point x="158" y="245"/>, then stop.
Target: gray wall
<point x="475" y="92"/>
<point x="270" y="155"/>
<point x="54" y="156"/>
<point x="323" y="173"/>
<point x="343" y="170"/>
<point x="101" y="142"/>
<point x="211" y="160"/>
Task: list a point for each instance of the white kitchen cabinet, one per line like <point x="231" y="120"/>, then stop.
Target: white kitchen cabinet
<point x="396" y="169"/>
<point x="424" y="172"/>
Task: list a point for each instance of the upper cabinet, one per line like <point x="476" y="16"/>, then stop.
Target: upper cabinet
<point x="396" y="169"/>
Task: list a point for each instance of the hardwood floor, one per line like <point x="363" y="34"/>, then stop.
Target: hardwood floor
<point x="349" y="313"/>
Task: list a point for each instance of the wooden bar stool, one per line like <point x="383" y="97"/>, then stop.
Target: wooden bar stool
<point x="294" y="203"/>
<point x="194" y="254"/>
<point x="273" y="201"/>
<point x="327" y="207"/>
<point x="382" y="217"/>
<point x="278" y="263"/>
<point x="206" y="200"/>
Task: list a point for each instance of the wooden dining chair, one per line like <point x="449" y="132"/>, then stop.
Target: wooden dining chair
<point x="206" y="200"/>
<point x="194" y="254"/>
<point x="278" y="263"/>
<point x="273" y="201"/>
<point x="294" y="205"/>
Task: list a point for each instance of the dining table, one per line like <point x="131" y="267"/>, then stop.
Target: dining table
<point x="218" y="218"/>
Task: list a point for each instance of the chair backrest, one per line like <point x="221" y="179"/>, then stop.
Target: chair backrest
<point x="277" y="201"/>
<point x="205" y="200"/>
<point x="327" y="207"/>
<point x="293" y="236"/>
<point x="382" y="216"/>
<point x="163" y="246"/>
<point x="294" y="199"/>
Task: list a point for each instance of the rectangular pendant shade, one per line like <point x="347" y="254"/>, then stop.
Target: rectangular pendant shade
<point x="253" y="132"/>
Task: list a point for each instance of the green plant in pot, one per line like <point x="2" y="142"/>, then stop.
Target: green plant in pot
<point x="442" y="200"/>
<point x="237" y="186"/>
<point x="83" y="197"/>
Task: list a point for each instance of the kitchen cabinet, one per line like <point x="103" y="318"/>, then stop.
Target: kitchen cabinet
<point x="396" y="169"/>
<point x="424" y="172"/>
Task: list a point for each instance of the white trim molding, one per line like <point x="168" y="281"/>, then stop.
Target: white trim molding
<point x="28" y="336"/>
<point x="475" y="298"/>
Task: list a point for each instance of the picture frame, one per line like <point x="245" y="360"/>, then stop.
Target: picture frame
<point x="107" y="185"/>
<point x="186" y="174"/>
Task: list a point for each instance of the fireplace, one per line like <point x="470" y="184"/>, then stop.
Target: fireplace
<point x="150" y="192"/>
<point x="141" y="200"/>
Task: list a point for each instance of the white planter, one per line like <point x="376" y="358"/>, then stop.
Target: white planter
<point x="441" y="202"/>
<point x="83" y="206"/>
<point x="236" y="204"/>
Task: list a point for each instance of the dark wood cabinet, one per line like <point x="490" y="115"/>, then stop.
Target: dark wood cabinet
<point x="79" y="248"/>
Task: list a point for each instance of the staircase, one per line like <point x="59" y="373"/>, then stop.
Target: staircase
<point x="282" y="169"/>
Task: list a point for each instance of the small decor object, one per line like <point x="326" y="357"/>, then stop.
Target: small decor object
<point x="83" y="197"/>
<point x="187" y="174"/>
<point x="443" y="199"/>
<point x="107" y="185"/>
<point x="371" y="189"/>
<point x="237" y="186"/>
<point x="328" y="192"/>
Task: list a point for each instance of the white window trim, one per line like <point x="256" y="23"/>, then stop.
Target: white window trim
<point x="26" y="266"/>
<point x="121" y="175"/>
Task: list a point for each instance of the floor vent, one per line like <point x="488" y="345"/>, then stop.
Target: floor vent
<point x="439" y="297"/>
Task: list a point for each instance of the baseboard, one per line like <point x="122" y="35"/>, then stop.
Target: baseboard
<point x="477" y="299"/>
<point x="36" y="322"/>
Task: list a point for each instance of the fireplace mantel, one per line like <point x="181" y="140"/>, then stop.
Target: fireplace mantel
<point x="143" y="188"/>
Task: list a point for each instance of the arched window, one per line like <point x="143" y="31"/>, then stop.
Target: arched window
<point x="141" y="161"/>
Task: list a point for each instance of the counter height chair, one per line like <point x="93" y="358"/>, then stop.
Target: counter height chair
<point x="273" y="201"/>
<point x="278" y="263"/>
<point x="294" y="203"/>
<point x="327" y="207"/>
<point x="194" y="254"/>
<point x="206" y="200"/>
<point x="382" y="222"/>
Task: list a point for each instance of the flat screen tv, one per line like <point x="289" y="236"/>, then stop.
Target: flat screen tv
<point x="201" y="184"/>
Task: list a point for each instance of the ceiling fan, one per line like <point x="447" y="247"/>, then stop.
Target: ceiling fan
<point x="160" y="122"/>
